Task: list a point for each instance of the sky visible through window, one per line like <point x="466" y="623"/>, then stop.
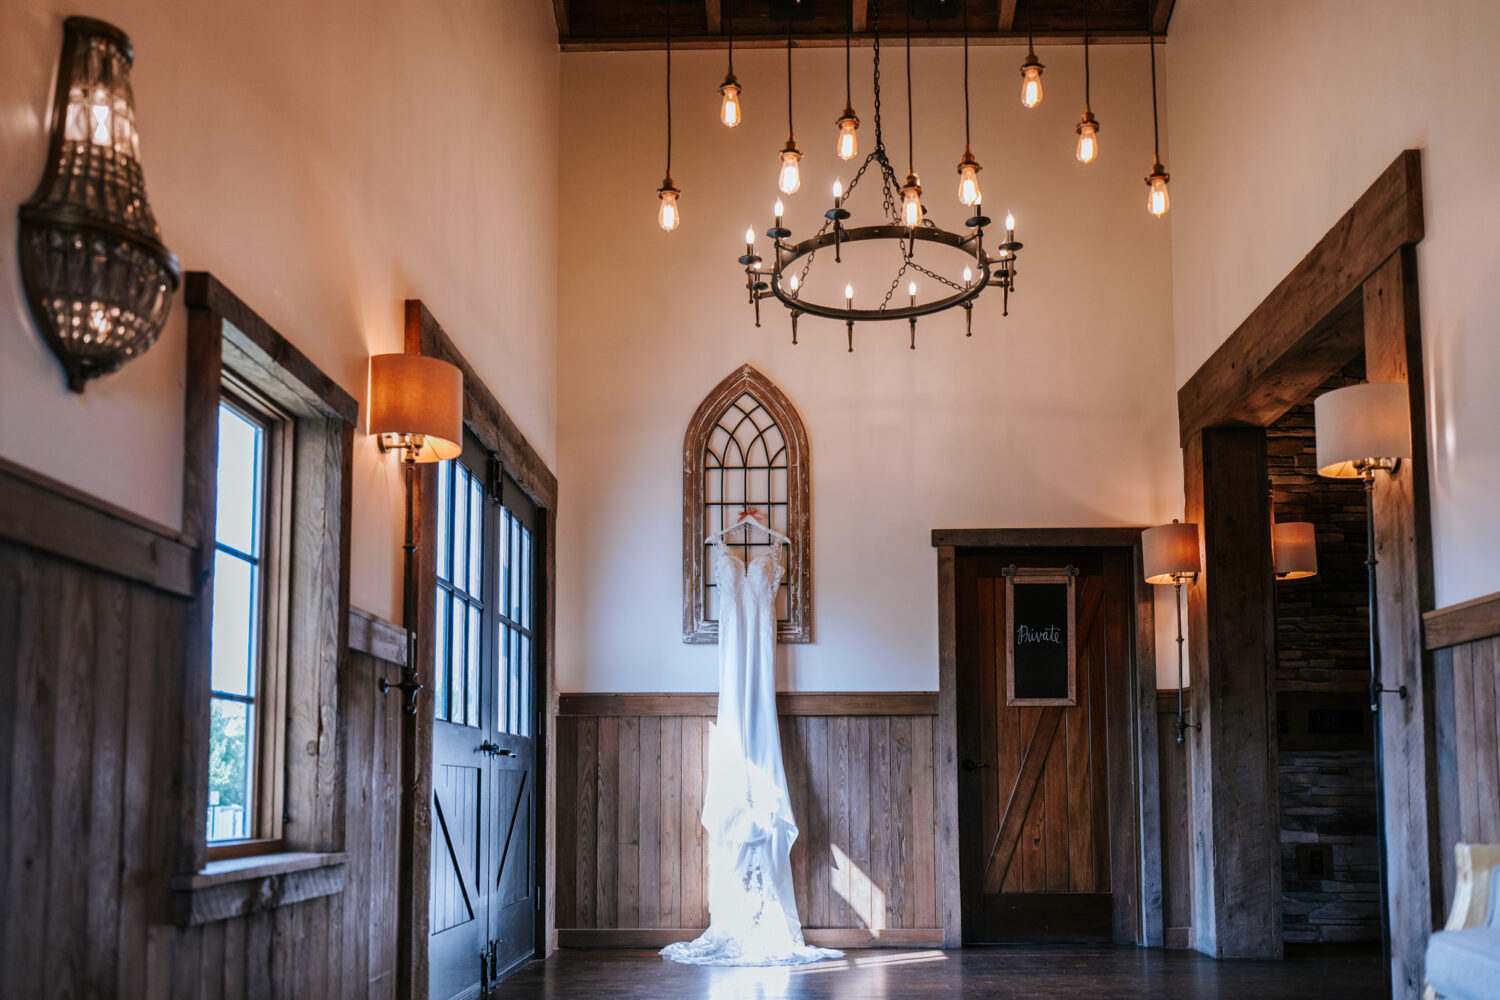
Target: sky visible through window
<point x="236" y="625"/>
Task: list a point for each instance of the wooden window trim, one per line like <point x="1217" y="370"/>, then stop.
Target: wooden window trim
<point x="797" y="626"/>
<point x="233" y="352"/>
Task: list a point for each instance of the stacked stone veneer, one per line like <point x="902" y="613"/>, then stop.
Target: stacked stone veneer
<point x="1327" y="785"/>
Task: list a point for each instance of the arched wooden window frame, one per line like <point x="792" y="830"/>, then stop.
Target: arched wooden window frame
<point x="796" y="627"/>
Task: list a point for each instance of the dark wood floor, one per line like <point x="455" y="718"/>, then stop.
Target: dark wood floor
<point x="1009" y="972"/>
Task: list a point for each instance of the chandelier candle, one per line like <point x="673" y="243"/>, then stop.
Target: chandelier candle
<point x="837" y="215"/>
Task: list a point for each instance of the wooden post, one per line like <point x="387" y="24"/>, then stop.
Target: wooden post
<point x="1393" y="353"/>
<point x="950" y="903"/>
<point x="1231" y="632"/>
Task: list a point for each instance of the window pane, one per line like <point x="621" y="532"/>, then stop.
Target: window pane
<point x="504" y="560"/>
<point x="515" y="682"/>
<point x="514" y="612"/>
<point x="472" y="684"/>
<point x="460" y="525"/>
<point x="445" y="521"/>
<point x="457" y="646"/>
<point x="231" y="767"/>
<point x="525" y="687"/>
<point x="233" y="653"/>
<point x="440" y="654"/>
<point x="525" y="574"/>
<point x="476" y="535"/>
<point x="503" y="693"/>
<point x="239" y="482"/>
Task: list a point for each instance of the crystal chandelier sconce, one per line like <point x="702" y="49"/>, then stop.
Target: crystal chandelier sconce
<point x="98" y="279"/>
<point x="782" y="274"/>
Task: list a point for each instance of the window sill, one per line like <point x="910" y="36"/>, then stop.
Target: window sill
<point x="237" y="887"/>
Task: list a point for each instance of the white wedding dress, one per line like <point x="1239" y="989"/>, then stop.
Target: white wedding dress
<point x="746" y="809"/>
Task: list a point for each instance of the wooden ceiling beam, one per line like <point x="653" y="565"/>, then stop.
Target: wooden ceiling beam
<point x="711" y="16"/>
<point x="646" y="43"/>
<point x="560" y="11"/>
<point x="1007" y="15"/>
<point x="861" y="16"/>
<point x="1161" y="13"/>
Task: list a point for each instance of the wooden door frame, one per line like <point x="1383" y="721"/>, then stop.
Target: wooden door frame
<point x="487" y="419"/>
<point x="1355" y="291"/>
<point x="1146" y="830"/>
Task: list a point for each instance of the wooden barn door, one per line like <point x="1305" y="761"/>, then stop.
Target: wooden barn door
<point x="484" y="893"/>
<point x="1045" y="810"/>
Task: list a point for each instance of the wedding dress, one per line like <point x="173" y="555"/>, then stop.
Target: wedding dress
<point x="746" y="810"/>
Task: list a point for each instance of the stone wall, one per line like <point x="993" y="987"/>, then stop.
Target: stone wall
<point x="1326" y="765"/>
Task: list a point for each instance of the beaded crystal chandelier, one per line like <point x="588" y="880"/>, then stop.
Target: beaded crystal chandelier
<point x="97" y="277"/>
<point x="903" y="226"/>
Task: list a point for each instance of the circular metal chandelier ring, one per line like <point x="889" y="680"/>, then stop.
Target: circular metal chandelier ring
<point x="789" y="255"/>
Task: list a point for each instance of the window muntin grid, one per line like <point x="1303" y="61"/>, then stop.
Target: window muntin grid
<point x="459" y="609"/>
<point x="745" y="465"/>
<point x="514" y="633"/>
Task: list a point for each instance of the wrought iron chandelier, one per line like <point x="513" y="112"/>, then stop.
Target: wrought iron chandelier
<point x="904" y="225"/>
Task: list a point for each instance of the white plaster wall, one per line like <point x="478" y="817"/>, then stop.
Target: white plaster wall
<point x="326" y="161"/>
<point x="1289" y="111"/>
<point x="1061" y="415"/>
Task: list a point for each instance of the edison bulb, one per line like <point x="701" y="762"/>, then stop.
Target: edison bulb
<point x="729" y="108"/>
<point x="1088" y="142"/>
<point x="848" y="142"/>
<point x="668" y="216"/>
<point x="1158" y="200"/>
<point x="790" y="178"/>
<point x="1031" y="84"/>
<point x="968" y="183"/>
<point x="911" y="206"/>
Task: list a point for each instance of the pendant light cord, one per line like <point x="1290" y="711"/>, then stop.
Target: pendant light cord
<point x="669" y="88"/>
<point x="1085" y="54"/>
<point x="848" y="41"/>
<point x="730" y="8"/>
<point x="1155" y="123"/>
<point x="789" y="130"/>
<point x="911" y="156"/>
<point x="965" y="9"/>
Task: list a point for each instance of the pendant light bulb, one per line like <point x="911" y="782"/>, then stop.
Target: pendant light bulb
<point x="911" y="202"/>
<point x="1158" y="200"/>
<point x="669" y="215"/>
<point x="848" y="142"/>
<point x="790" y="178"/>
<point x="968" y="179"/>
<point x="1031" y="81"/>
<point x="1088" y="137"/>
<point x="729" y="108"/>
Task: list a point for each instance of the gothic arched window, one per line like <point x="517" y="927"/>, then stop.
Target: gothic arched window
<point x="746" y="447"/>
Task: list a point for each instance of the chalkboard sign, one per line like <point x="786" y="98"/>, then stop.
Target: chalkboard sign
<point x="1040" y="660"/>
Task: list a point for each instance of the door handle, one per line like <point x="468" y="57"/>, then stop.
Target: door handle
<point x="489" y="748"/>
<point x="505" y="752"/>
<point x="969" y="765"/>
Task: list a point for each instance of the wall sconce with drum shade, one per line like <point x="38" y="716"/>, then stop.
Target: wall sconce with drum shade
<point x="1364" y="430"/>
<point x="1170" y="553"/>
<point x="1294" y="550"/>
<point x="416" y="409"/>
<point x="98" y="279"/>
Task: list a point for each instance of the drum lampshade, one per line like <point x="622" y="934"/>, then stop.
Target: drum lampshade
<point x="1296" y="550"/>
<point x="1169" y="551"/>
<point x="1360" y="422"/>
<point x="412" y="394"/>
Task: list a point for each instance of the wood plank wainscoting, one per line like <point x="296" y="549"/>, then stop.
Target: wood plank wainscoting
<point x="1465" y="644"/>
<point x="1176" y="763"/>
<point x="631" y="853"/>
<point x="94" y="607"/>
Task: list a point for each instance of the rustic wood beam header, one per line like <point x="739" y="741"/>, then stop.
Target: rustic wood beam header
<point x="1303" y="331"/>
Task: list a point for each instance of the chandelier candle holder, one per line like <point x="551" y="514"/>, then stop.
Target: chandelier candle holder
<point x="902" y="224"/>
<point x="98" y="279"/>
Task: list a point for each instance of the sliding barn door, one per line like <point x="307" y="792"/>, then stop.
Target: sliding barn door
<point x="1044" y="789"/>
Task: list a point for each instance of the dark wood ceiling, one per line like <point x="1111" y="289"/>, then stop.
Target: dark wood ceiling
<point x="592" y="25"/>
